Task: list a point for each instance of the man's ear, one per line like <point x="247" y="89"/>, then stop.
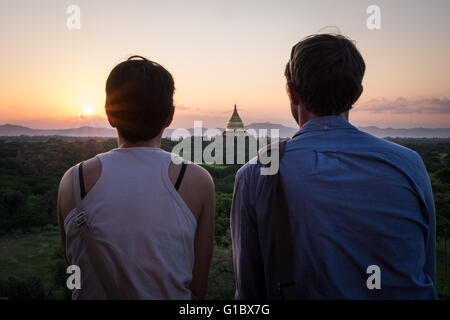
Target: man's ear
<point x="170" y="118"/>
<point x="292" y="94"/>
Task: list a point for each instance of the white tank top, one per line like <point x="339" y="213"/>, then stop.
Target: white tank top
<point x="143" y="227"/>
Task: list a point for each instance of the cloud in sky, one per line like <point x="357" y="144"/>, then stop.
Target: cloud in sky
<point x="435" y="105"/>
<point x="404" y="106"/>
<point x="181" y="107"/>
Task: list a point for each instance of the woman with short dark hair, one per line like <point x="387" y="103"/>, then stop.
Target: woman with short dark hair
<point x="137" y="224"/>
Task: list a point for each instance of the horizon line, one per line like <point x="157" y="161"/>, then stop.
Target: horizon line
<point x="253" y="123"/>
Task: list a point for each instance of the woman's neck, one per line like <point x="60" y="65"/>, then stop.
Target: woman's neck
<point x="154" y="143"/>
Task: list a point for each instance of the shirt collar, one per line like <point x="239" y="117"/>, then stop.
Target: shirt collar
<point x="325" y="123"/>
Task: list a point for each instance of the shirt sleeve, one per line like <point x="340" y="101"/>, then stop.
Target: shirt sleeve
<point x="430" y="214"/>
<point x="247" y="259"/>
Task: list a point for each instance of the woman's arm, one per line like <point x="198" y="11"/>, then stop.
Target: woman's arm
<point x="204" y="240"/>
<point x="62" y="206"/>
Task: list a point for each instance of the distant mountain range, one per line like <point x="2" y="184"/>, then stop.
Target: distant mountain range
<point x="16" y="130"/>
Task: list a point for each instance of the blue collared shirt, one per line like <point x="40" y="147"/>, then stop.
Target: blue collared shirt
<point x="354" y="201"/>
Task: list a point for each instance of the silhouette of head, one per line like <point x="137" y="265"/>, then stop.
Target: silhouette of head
<point x="326" y="71"/>
<point x="139" y="98"/>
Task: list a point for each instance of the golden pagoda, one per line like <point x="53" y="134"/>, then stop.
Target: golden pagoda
<point x="235" y="121"/>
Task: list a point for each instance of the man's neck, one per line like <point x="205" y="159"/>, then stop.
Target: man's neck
<point x="305" y="116"/>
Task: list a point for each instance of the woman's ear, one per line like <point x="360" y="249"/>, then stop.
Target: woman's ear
<point x="361" y="89"/>
<point x="170" y="118"/>
<point x="111" y="122"/>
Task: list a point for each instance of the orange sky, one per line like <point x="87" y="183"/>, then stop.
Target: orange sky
<point x="218" y="52"/>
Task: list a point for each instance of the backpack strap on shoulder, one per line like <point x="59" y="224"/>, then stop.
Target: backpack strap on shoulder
<point x="180" y="176"/>
<point x="95" y="256"/>
<point x="81" y="215"/>
<point x="283" y="241"/>
<point x="268" y="148"/>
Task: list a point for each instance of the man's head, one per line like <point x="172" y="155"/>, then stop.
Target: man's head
<point x="139" y="99"/>
<point x="324" y="75"/>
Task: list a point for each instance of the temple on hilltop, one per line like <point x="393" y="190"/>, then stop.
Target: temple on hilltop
<point x="236" y="134"/>
<point x="235" y="122"/>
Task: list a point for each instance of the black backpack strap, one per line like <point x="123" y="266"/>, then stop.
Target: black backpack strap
<point x="180" y="176"/>
<point x="80" y="175"/>
<point x="95" y="256"/>
<point x="283" y="239"/>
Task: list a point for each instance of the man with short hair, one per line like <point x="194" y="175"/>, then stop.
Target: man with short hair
<point x="358" y="206"/>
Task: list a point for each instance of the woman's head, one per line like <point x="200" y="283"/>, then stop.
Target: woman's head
<point x="139" y="98"/>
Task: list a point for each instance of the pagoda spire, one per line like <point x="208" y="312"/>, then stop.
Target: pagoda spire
<point x="235" y="121"/>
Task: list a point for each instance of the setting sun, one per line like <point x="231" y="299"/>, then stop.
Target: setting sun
<point x="88" y="110"/>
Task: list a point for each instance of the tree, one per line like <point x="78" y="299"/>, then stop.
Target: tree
<point x="443" y="175"/>
<point x="28" y="289"/>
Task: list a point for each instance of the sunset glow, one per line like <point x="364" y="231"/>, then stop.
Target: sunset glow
<point x="88" y="110"/>
<point x="219" y="51"/>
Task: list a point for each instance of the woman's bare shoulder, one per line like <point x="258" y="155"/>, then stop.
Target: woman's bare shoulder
<point x="91" y="172"/>
<point x="200" y="175"/>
